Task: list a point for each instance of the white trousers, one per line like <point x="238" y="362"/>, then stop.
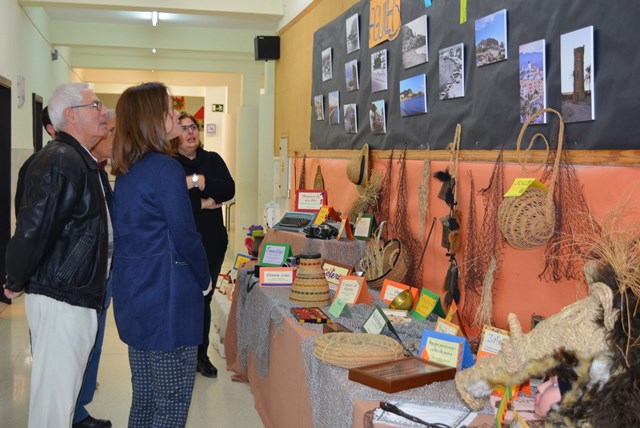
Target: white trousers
<point x="62" y="337"/>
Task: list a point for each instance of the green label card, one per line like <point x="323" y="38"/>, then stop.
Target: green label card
<point x="428" y="302"/>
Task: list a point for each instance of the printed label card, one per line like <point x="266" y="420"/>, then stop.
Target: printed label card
<point x="274" y="254"/>
<point x="390" y="289"/>
<point x="333" y="271"/>
<point x="491" y="341"/>
<point x="241" y="259"/>
<point x="444" y="326"/>
<point x="520" y="185"/>
<point x="326" y="213"/>
<point x="276" y="276"/>
<point x="353" y="289"/>
<point x="428" y="302"/>
<point x="446" y="349"/>
<point x="339" y="308"/>
<point x="376" y="321"/>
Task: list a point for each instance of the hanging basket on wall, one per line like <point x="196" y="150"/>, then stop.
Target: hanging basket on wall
<point x="529" y="220"/>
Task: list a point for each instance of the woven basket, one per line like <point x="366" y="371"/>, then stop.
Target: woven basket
<point x="529" y="220"/>
<point x="394" y="262"/>
<point x="356" y="349"/>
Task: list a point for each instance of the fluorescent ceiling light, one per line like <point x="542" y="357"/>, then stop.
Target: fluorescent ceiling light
<point x="154" y="18"/>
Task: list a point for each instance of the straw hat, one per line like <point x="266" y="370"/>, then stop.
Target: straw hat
<point x="358" y="169"/>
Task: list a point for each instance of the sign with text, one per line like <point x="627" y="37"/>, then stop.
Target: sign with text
<point x="428" y="302"/>
<point x="240" y="260"/>
<point x="333" y="271"/>
<point x="276" y="276"/>
<point x="444" y="326"/>
<point x="353" y="289"/>
<point x="520" y="185"/>
<point x="376" y="322"/>
<point x="275" y="254"/>
<point x="310" y="200"/>
<point x="491" y="341"/>
<point x="384" y="21"/>
<point x="339" y="308"/>
<point x="446" y="349"/>
<point x="390" y="289"/>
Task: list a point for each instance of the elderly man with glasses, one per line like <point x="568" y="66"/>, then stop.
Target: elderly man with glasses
<point x="58" y="255"/>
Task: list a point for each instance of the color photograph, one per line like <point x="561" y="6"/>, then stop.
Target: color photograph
<point x="491" y="38"/>
<point x="451" y="72"/>
<point x="334" y="108"/>
<point x="350" y="119"/>
<point x="379" y="71"/>
<point x="351" y="75"/>
<point x="415" y="44"/>
<point x="318" y="106"/>
<point x="327" y="67"/>
<point x="533" y="92"/>
<point x="576" y="81"/>
<point x="376" y="117"/>
<point x="353" y="34"/>
<point x="413" y="95"/>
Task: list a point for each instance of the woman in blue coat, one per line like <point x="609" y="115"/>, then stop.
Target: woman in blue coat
<point x="160" y="270"/>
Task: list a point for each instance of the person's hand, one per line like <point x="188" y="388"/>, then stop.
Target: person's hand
<point x="11" y="294"/>
<point x="209" y="204"/>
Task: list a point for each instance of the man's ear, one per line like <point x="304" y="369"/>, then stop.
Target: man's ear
<point x="50" y="130"/>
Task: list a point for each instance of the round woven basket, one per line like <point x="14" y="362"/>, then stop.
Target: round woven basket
<point x="310" y="287"/>
<point x="529" y="220"/>
<point x="356" y="349"/>
<point x="394" y="262"/>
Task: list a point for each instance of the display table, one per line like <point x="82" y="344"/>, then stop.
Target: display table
<point x="266" y="347"/>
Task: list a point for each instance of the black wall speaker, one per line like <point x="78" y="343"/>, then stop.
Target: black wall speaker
<point x="267" y="47"/>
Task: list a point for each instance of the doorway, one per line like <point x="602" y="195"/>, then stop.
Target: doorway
<point x="5" y="174"/>
<point x="36" y="102"/>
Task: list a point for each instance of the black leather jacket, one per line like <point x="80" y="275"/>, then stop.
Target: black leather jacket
<point x="59" y="248"/>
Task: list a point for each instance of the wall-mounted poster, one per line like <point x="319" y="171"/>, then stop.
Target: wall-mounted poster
<point x="491" y="38"/>
<point x="334" y="108"/>
<point x="376" y="117"/>
<point x="318" y="106"/>
<point x="451" y="72"/>
<point x="576" y="68"/>
<point x="327" y="66"/>
<point x="379" y="71"/>
<point x="350" y="119"/>
<point x="413" y="95"/>
<point x="415" y="42"/>
<point x="351" y="75"/>
<point x="533" y="88"/>
<point x="353" y="33"/>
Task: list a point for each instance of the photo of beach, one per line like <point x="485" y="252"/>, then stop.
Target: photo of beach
<point x="413" y="95"/>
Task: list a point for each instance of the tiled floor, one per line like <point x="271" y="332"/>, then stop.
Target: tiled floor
<point x="216" y="402"/>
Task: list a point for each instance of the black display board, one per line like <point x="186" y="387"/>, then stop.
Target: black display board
<point x="489" y="112"/>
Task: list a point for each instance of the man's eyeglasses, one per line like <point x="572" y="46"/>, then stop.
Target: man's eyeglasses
<point x="185" y="128"/>
<point x="96" y="105"/>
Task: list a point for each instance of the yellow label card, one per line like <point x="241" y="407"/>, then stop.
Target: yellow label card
<point x="443" y="352"/>
<point x="520" y="185"/>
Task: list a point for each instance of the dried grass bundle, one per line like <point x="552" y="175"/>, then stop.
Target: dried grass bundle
<point x="423" y="198"/>
<point x="368" y="199"/>
<point x="485" y="308"/>
<point x="373" y="261"/>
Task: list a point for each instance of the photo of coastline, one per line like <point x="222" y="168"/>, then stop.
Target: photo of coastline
<point x="533" y="92"/>
<point x="327" y="67"/>
<point x="379" y="71"/>
<point x="576" y="75"/>
<point x="351" y="75"/>
<point x="413" y="95"/>
<point x="353" y="34"/>
<point x="415" y="45"/>
<point x="334" y="108"/>
<point x="451" y="72"/>
<point x="376" y="117"/>
<point x="491" y="38"/>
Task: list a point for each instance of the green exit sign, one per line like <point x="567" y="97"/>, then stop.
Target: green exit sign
<point x="217" y="108"/>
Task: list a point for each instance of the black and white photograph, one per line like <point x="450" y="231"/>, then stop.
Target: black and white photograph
<point x="327" y="65"/>
<point x="334" y="108"/>
<point x="353" y="34"/>
<point x="351" y="75"/>
<point x="379" y="71"/>
<point x="415" y="44"/>
<point x="576" y="80"/>
<point x="533" y="92"/>
<point x="376" y="117"/>
<point x="451" y="72"/>
<point x="350" y="119"/>
<point x="318" y="106"/>
<point x="413" y="95"/>
<point x="491" y="38"/>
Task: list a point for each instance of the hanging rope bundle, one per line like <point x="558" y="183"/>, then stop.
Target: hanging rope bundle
<point x="423" y="198"/>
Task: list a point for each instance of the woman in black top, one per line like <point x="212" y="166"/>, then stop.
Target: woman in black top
<point x="210" y="184"/>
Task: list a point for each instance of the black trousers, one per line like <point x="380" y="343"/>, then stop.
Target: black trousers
<point x="214" y="270"/>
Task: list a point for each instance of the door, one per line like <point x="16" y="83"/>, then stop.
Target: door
<point x="5" y="173"/>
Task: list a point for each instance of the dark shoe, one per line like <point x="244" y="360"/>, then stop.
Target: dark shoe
<point x="91" y="422"/>
<point x="205" y="367"/>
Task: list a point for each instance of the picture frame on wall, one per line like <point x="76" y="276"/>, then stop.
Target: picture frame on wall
<point x="451" y="72"/>
<point x="351" y="118"/>
<point x="491" y="38"/>
<point x="351" y="76"/>
<point x="327" y="65"/>
<point x="415" y="42"/>
<point x="379" y="71"/>
<point x="377" y="120"/>
<point x="533" y="87"/>
<point x="318" y="106"/>
<point x="413" y="95"/>
<point x="334" y="108"/>
<point x="577" y="75"/>
<point x="353" y="33"/>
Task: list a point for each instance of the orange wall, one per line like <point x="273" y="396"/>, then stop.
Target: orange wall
<point x="517" y="286"/>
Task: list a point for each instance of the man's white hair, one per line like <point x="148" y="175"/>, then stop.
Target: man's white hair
<point x="63" y="97"/>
